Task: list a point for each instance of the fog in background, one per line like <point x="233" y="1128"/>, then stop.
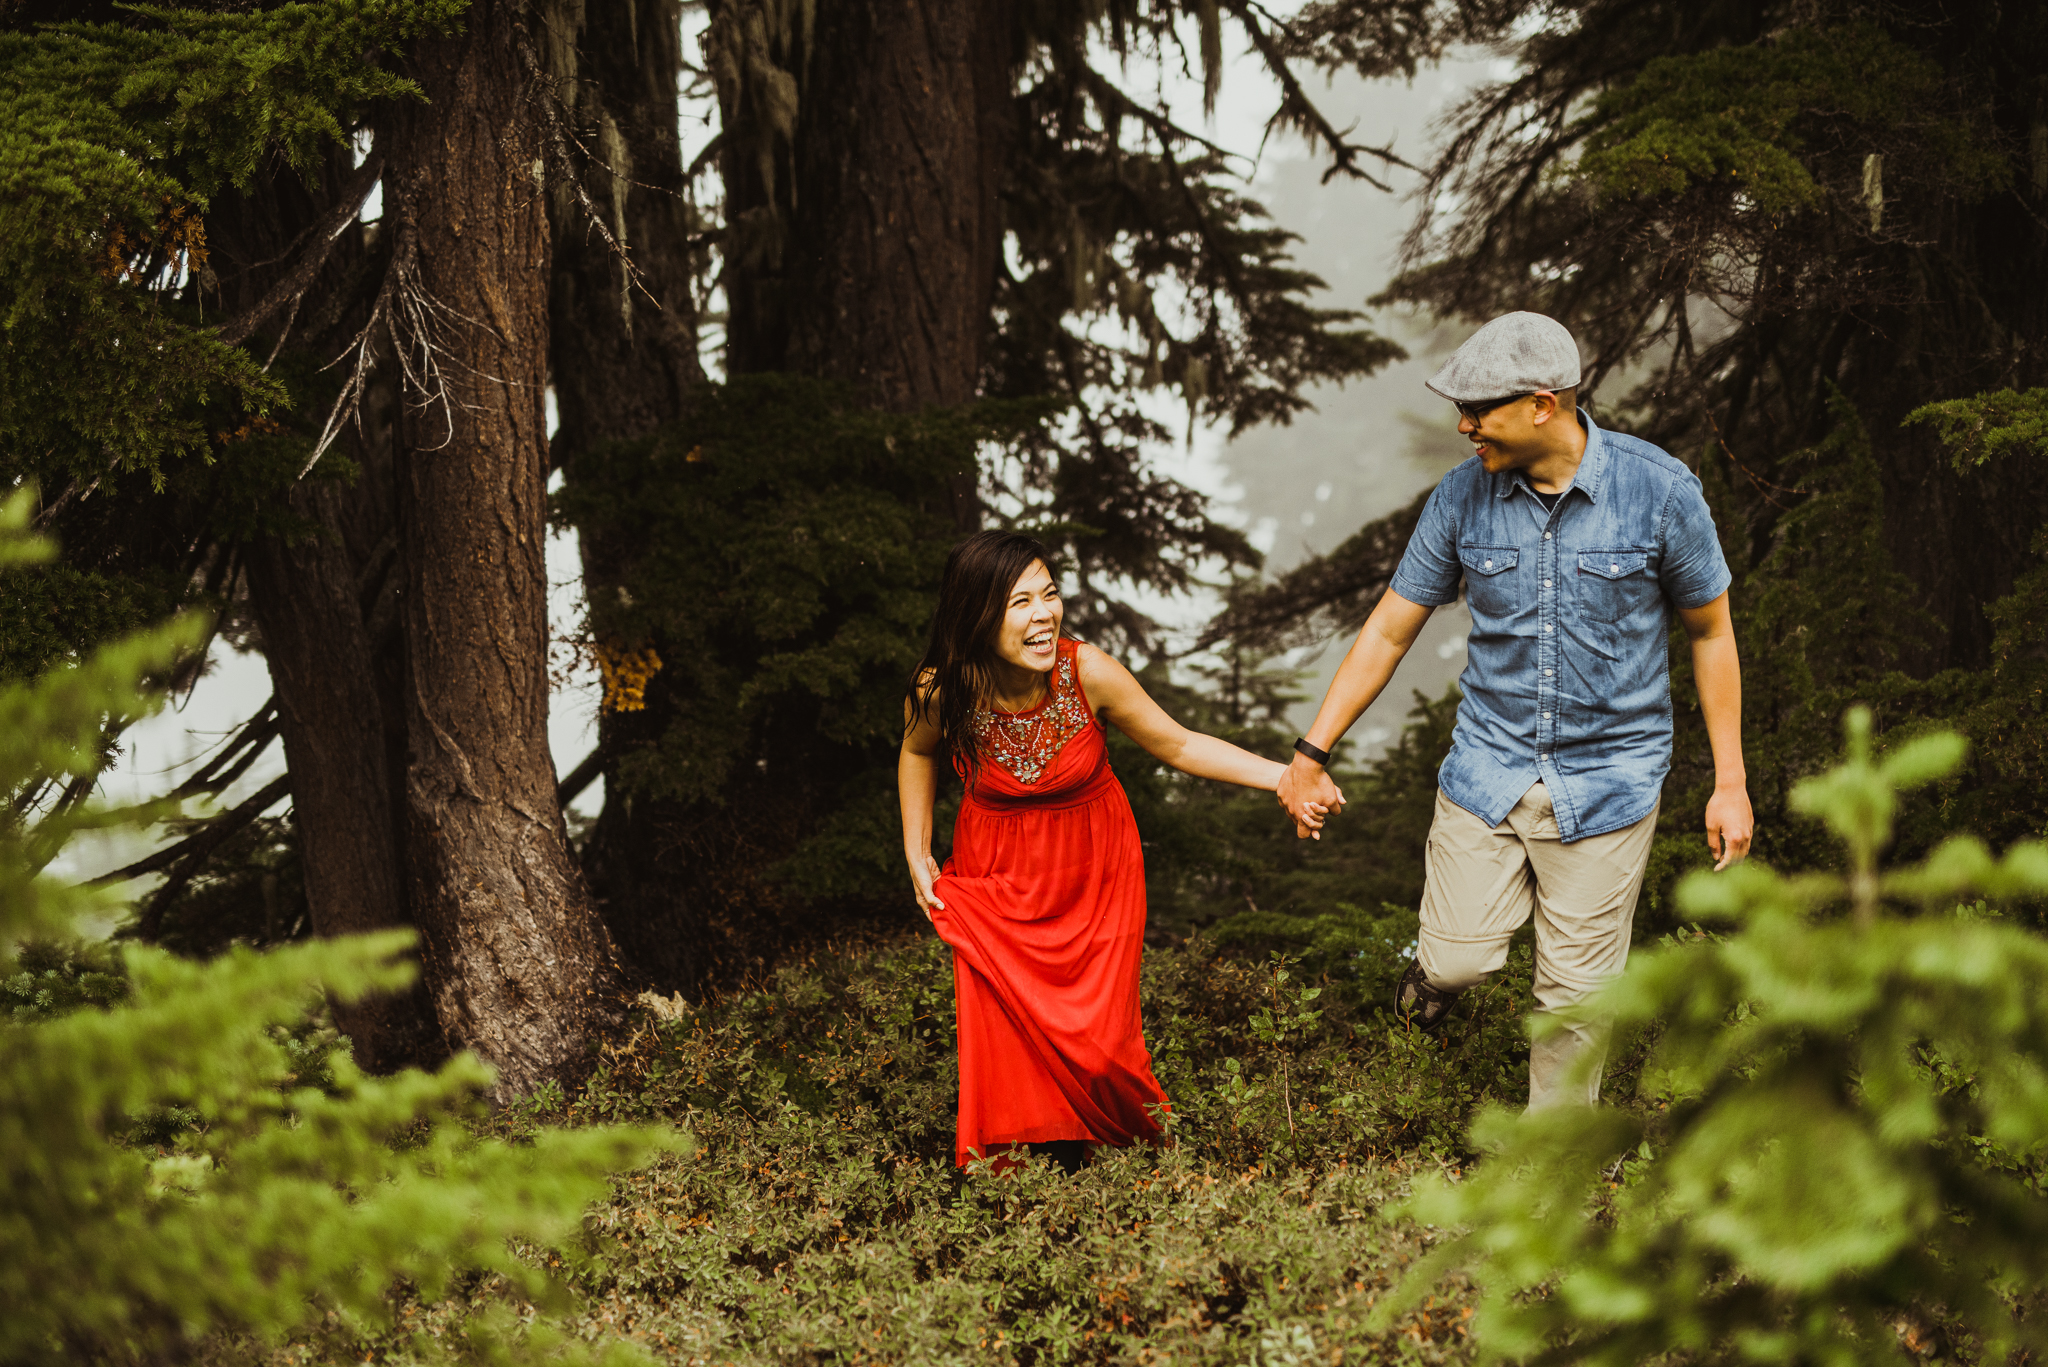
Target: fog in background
<point x="1368" y="448"/>
<point x="1365" y="450"/>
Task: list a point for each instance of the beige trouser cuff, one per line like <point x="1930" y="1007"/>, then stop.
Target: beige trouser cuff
<point x="1484" y="882"/>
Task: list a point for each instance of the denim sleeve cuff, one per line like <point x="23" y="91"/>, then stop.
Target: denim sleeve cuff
<point x="1424" y="597"/>
<point x="1703" y="597"/>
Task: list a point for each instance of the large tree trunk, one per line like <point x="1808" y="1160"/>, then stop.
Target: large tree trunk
<point x="519" y="965"/>
<point x="865" y="231"/>
<point x="861" y="160"/>
<point x="898" y="228"/>
<point x="625" y="358"/>
<point x="325" y="606"/>
<point x="338" y="730"/>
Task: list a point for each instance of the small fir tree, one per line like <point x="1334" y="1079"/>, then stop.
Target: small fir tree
<point x="166" y="1172"/>
<point x="1843" y="1161"/>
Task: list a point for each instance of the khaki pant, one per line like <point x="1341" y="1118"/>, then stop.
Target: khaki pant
<point x="1484" y="882"/>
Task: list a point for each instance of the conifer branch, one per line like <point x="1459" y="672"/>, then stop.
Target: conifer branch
<point x="72" y="494"/>
<point x="703" y="158"/>
<point x="1342" y="588"/>
<point x="241" y="751"/>
<point x="1106" y="92"/>
<point x="188" y="857"/>
<point x="587" y="771"/>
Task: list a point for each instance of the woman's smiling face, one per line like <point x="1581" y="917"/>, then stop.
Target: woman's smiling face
<point x="1029" y="635"/>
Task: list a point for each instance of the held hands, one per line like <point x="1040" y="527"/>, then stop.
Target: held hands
<point x="1729" y="825"/>
<point x="923" y="872"/>
<point x="1309" y="795"/>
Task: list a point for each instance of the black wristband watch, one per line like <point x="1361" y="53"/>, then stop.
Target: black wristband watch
<point x="1314" y="752"/>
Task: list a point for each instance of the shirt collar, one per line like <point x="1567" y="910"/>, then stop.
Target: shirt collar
<point x="1592" y="465"/>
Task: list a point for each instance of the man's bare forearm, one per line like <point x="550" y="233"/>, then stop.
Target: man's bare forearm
<point x="1717" y="672"/>
<point x="1306" y="791"/>
<point x="1381" y="645"/>
<point x="1717" y="669"/>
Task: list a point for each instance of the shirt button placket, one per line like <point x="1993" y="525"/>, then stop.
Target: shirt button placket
<point x="1546" y="645"/>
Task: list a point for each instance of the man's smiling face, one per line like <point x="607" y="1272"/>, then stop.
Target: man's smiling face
<point x="1504" y="434"/>
<point x="1528" y="432"/>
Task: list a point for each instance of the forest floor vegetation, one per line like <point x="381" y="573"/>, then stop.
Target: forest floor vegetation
<point x="818" y="1216"/>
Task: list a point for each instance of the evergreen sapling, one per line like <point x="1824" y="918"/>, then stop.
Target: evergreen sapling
<point x="1844" y="1162"/>
<point x="278" y="1203"/>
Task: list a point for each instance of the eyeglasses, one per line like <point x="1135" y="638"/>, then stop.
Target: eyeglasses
<point x="1480" y="408"/>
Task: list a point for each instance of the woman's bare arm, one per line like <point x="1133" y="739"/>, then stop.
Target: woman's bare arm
<point x="1123" y="702"/>
<point x="917" y="788"/>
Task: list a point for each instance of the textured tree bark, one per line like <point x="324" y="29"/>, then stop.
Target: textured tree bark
<point x="898" y="229"/>
<point x="338" y="731"/>
<point x="518" y="964"/>
<point x="325" y="606"/>
<point x="625" y="358"/>
<point x="867" y="233"/>
<point x="861" y="158"/>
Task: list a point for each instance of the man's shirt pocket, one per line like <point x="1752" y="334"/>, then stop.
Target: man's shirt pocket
<point x="1613" y="584"/>
<point x="1491" y="579"/>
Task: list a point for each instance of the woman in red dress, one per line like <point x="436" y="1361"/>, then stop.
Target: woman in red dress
<point x="1043" y="900"/>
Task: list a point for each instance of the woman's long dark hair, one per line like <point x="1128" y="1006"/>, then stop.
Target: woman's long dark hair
<point x="958" y="665"/>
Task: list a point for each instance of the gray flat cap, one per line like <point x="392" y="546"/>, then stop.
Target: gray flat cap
<point x="1516" y="353"/>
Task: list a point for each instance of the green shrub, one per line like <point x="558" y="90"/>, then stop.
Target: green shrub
<point x="1845" y="1157"/>
<point x="175" y="1160"/>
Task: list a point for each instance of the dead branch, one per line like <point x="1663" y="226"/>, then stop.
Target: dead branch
<point x="1295" y="103"/>
<point x="296" y="281"/>
<point x="400" y="277"/>
<point x="555" y="142"/>
<point x="188" y="857"/>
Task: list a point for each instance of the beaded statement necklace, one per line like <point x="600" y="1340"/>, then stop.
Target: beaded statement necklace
<point x="1026" y="743"/>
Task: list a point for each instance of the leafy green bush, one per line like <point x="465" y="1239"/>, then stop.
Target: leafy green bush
<point x="168" y="1167"/>
<point x="1846" y="1157"/>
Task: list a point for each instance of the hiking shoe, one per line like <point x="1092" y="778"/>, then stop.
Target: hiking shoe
<point x="1420" y="1005"/>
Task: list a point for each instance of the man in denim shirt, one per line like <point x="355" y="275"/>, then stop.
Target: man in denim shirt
<point x="1574" y="546"/>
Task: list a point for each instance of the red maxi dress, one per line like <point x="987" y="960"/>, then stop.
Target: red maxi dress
<point x="1045" y="910"/>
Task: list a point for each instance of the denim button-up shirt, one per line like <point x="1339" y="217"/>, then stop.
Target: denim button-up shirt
<point x="1568" y="677"/>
